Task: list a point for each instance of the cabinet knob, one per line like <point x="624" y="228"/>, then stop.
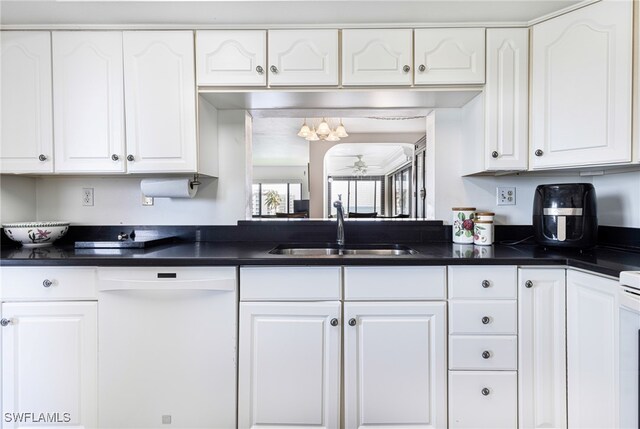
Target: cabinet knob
<point x="274" y="69"/>
<point x="486" y="354"/>
<point x="486" y="283"/>
<point x="422" y="67"/>
<point x="259" y="69"/>
<point x="47" y="283"/>
<point x="5" y="322"/>
<point x="406" y="68"/>
<point x="42" y="157"/>
<point x="334" y="322"/>
<point x="352" y="322"/>
<point x="486" y="320"/>
<point x="538" y="152"/>
<point x="495" y="154"/>
<point x="528" y="284"/>
<point x="115" y="157"/>
<point x="485" y="391"/>
<point x="130" y="158"/>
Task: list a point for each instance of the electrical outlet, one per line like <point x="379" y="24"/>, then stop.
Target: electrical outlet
<point x="147" y="201"/>
<point x="505" y="196"/>
<point x="87" y="196"/>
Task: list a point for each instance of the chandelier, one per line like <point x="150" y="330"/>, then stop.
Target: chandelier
<point x="322" y="132"/>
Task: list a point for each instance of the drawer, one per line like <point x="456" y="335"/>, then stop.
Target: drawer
<point x="48" y="283"/>
<point x="483" y="317"/>
<point x="483" y="399"/>
<point x="394" y="283"/>
<point x="485" y="282"/>
<point x="483" y="352"/>
<point x="290" y="283"/>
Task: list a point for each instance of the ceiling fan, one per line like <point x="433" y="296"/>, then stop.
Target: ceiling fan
<point x="359" y="167"/>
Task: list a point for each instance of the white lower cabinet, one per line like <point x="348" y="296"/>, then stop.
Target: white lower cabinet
<point x="49" y="364"/>
<point x="289" y="356"/>
<point x="542" y="366"/>
<point x="395" y="364"/>
<point x="483" y="399"/>
<point x="592" y="351"/>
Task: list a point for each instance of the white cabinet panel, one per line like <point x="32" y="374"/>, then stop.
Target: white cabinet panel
<point x="483" y="317"/>
<point x="449" y="56"/>
<point x="482" y="399"/>
<point x="289" y="357"/>
<point x="88" y="101"/>
<point x="507" y="99"/>
<point x="486" y="282"/>
<point x="231" y="57"/>
<point x="377" y="57"/>
<point x="581" y="87"/>
<point x="49" y="362"/>
<point x="48" y="283"/>
<point x="395" y="365"/>
<point x="290" y="283"/>
<point x="303" y="57"/>
<point x="483" y="352"/>
<point x="592" y="353"/>
<point x="542" y="371"/>
<point x="25" y="77"/>
<point x="160" y="101"/>
<point x="394" y="283"/>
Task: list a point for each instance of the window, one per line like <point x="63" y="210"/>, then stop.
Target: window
<point x="359" y="194"/>
<point x="401" y="195"/>
<point x="271" y="198"/>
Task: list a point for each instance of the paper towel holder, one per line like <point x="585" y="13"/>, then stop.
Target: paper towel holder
<point x="195" y="182"/>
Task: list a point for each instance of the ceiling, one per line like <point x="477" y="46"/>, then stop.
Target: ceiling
<point x="267" y="13"/>
<point x="275" y="140"/>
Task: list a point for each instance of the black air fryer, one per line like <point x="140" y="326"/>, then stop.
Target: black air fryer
<point x="565" y="215"/>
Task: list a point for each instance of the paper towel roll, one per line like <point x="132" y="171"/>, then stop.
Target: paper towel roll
<point x="168" y="188"/>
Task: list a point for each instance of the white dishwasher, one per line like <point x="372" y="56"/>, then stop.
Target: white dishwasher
<point x="167" y="347"/>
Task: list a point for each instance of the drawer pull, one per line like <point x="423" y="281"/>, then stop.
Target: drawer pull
<point x="334" y="322"/>
<point x="47" y="283"/>
<point x="486" y="283"/>
<point x="528" y="284"/>
<point x="5" y="322"/>
<point x="167" y="275"/>
<point x="352" y="322"/>
<point x="485" y="391"/>
<point x="486" y="354"/>
<point x="486" y="320"/>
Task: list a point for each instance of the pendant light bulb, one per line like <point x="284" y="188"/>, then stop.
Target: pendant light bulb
<point x="304" y="130"/>
<point x="341" y="131"/>
<point x="323" y="128"/>
<point x="313" y="136"/>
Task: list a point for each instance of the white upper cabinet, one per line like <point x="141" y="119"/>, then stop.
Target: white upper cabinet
<point x="377" y="57"/>
<point x="507" y="99"/>
<point x="231" y="57"/>
<point x="303" y="57"/>
<point x="160" y="101"/>
<point x="581" y="87"/>
<point x="449" y="56"/>
<point x="88" y="101"/>
<point x="27" y="134"/>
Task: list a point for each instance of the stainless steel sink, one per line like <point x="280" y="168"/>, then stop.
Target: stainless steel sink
<point x="320" y="250"/>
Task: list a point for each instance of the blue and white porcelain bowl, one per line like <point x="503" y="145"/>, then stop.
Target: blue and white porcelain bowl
<point x="36" y="234"/>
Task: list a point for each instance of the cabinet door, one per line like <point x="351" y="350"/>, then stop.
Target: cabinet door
<point x="395" y="364"/>
<point x="289" y="360"/>
<point x="507" y="99"/>
<point x="581" y="87"/>
<point x="26" y="145"/>
<point x="231" y="57"/>
<point x="88" y="101"/>
<point x="49" y="362"/>
<point x="449" y="56"/>
<point x="592" y="353"/>
<point x="542" y="369"/>
<point x="376" y="57"/>
<point x="303" y="57"/>
<point x="160" y="101"/>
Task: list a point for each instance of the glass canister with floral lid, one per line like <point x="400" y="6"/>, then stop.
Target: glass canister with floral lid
<point x="462" y="222"/>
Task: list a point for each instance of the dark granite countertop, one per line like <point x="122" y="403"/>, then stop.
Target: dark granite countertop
<point x="603" y="260"/>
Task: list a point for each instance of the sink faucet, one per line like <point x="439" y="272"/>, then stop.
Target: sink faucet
<point x="338" y="205"/>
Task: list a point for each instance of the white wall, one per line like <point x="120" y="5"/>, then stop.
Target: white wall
<point x="618" y="199"/>
<point x="452" y="190"/>
<point x="292" y="174"/>
<point x="18" y="199"/>
<point x="118" y="200"/>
